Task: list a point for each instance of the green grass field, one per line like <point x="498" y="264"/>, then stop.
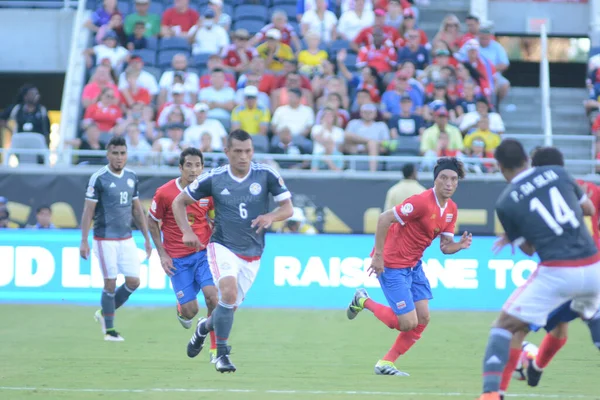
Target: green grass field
<point x="57" y="352"/>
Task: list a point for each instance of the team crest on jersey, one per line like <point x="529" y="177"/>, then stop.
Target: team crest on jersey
<point x="90" y="191"/>
<point x="433" y="216"/>
<point x="255" y="188"/>
<point x="449" y="217"/>
<point x="436" y="231"/>
<point x="203" y="202"/>
<point x="407" y="208"/>
<point x="153" y="206"/>
<point x="130" y="183"/>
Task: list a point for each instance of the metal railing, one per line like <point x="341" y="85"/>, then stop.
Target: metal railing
<point x="545" y="87"/>
<point x="39" y="4"/>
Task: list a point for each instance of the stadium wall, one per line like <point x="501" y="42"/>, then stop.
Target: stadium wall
<point x="296" y="272"/>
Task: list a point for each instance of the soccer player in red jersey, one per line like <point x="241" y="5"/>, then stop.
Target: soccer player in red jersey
<point x="187" y="267"/>
<point x="403" y="233"/>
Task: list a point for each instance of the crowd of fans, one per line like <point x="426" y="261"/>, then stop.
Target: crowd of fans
<point x="346" y="77"/>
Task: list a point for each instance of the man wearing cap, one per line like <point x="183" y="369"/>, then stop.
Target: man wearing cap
<point x="222" y="19"/>
<point x="495" y="53"/>
<point x="251" y="117"/>
<point x="237" y="56"/>
<point x="108" y="51"/>
<point x="152" y="21"/>
<point x="178" y="20"/>
<point x="365" y="135"/>
<point x="193" y="134"/>
<point x="430" y="137"/>
<point x="441" y="59"/>
<point x="406" y="123"/>
<point x="380" y="55"/>
<point x="279" y="22"/>
<point x="263" y="99"/>
<point x="145" y="79"/>
<point x="469" y="54"/>
<point x="274" y="51"/>
<point x="366" y="38"/>
<point x="171" y="145"/>
<point x="207" y="36"/>
<point x="391" y="98"/>
<point x="178" y="93"/>
<point x="414" y="51"/>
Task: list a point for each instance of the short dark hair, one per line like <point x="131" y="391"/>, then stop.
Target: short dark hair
<point x="116" y="141"/>
<point x="218" y="70"/>
<point x="363" y="91"/>
<point x="190" y="151"/>
<point x="43" y="207"/>
<point x="547" y="156"/>
<point x="408" y="170"/>
<point x="511" y="154"/>
<point x="471" y="17"/>
<point x="238" y="134"/>
<point x="460" y="167"/>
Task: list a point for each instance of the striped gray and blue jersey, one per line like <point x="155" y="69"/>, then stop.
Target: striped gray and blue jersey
<point x="114" y="195"/>
<point x="237" y="202"/>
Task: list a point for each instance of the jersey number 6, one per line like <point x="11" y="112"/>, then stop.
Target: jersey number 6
<point x="243" y="211"/>
<point x="561" y="212"/>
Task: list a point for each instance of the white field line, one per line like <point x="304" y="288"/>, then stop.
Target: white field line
<point x="294" y="392"/>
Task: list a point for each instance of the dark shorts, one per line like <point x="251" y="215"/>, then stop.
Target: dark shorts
<point x="559" y="315"/>
<point x="191" y="275"/>
<point x="403" y="287"/>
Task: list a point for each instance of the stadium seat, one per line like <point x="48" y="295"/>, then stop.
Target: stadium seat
<point x="261" y="143"/>
<point x="407" y="146"/>
<point x="125" y="8"/>
<point x="147" y="55"/>
<point x="251" y="12"/>
<point x="275" y="3"/>
<point x="174" y="43"/>
<point x="152" y="43"/>
<point x="156" y="72"/>
<point x="351" y="60"/>
<point x="338" y="45"/>
<point x="289" y="9"/>
<point x="155" y="8"/>
<point x="322" y="46"/>
<point x="252" y="26"/>
<point x="201" y="60"/>
<point x="30" y="141"/>
<point x="166" y="56"/>
<point x="228" y="9"/>
<point x="295" y="25"/>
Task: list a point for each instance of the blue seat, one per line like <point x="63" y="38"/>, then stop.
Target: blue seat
<point x="289" y="9"/>
<point x="156" y="8"/>
<point x="147" y="55"/>
<point x="350" y="60"/>
<point x="228" y="9"/>
<point x="201" y="60"/>
<point x="284" y="2"/>
<point x="251" y="12"/>
<point x="252" y="26"/>
<point x="174" y="43"/>
<point x="152" y="43"/>
<point x="166" y="56"/>
<point x="295" y="25"/>
<point x="124" y="7"/>
<point x="338" y="45"/>
<point x="594" y="51"/>
<point x="156" y="72"/>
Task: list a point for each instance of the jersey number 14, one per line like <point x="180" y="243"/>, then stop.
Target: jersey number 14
<point x="561" y="214"/>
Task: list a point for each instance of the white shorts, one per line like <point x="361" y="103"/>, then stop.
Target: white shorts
<point x="223" y="262"/>
<point x="117" y="257"/>
<point x="549" y="287"/>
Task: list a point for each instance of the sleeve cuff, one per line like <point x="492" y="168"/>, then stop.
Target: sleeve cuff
<point x="449" y="234"/>
<point x="518" y="241"/>
<point x="283" y="196"/>
<point x="398" y="216"/>
<point x="583" y="199"/>
<point x="92" y="200"/>
<point x="153" y="217"/>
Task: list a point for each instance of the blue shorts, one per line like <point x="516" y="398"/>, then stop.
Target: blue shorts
<point x="192" y="273"/>
<point x="563" y="313"/>
<point x="403" y="287"/>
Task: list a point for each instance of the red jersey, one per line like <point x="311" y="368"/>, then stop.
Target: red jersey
<point x="287" y="33"/>
<point x="229" y="81"/>
<point x="401" y="42"/>
<point x="593" y="193"/>
<point x="382" y="59"/>
<point x="231" y="56"/>
<point x="172" y="18"/>
<point x="365" y="37"/>
<point x="105" y="117"/>
<point x="420" y="220"/>
<point x="468" y="36"/>
<point x="141" y="96"/>
<point x="197" y="214"/>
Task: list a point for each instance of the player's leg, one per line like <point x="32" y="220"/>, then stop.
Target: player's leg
<point x="204" y="281"/>
<point x="554" y="340"/>
<point x="594" y="325"/>
<point x="106" y="252"/>
<point x="513" y="360"/>
<point x="129" y="265"/>
<point x="185" y="288"/>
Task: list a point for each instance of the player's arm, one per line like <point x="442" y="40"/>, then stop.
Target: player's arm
<point x="201" y="187"/>
<point x="155" y="215"/>
<point x="385" y="220"/>
<point x="512" y="235"/>
<point x="92" y="195"/>
<point x="447" y="243"/>
<point x="140" y="218"/>
<point x="283" y="197"/>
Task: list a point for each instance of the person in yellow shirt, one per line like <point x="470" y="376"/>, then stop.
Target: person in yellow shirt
<point x="251" y="117"/>
<point x="402" y="190"/>
<point x="429" y="140"/>
<point x="310" y="60"/>
<point x="490" y="139"/>
<point x="274" y="52"/>
<point x="297" y="224"/>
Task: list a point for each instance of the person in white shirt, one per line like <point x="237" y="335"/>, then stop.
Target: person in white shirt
<point x="191" y="82"/>
<point x="138" y="148"/>
<point x="296" y="116"/>
<point x="347" y="5"/>
<point x="108" y="50"/>
<point x="207" y="36"/>
<point x="263" y="99"/>
<point x="482" y="107"/>
<point x="145" y="78"/>
<point x="327" y="132"/>
<point x="171" y="145"/>
<point x="220" y="98"/>
<point x="193" y="135"/>
<point x="353" y="21"/>
<point x="321" y="21"/>
<point x="178" y="102"/>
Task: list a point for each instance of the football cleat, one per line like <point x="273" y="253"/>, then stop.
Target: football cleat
<point x="213" y="355"/>
<point x="388" y="368"/>
<point x="223" y="363"/>
<point x="357" y="304"/>
<point x="100" y="319"/>
<point x="533" y="374"/>
<point x="113" y="336"/>
<point x="196" y="343"/>
<point x="186" y="323"/>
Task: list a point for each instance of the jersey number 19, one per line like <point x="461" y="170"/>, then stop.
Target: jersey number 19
<point x="561" y="212"/>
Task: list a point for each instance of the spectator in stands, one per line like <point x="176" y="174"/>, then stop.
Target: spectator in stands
<point x="593" y="103"/>
<point x="43" y="218"/>
<point x="274" y="51"/>
<point x="480" y="68"/>
<point x="177" y="105"/>
<point x="298" y="117"/>
<point x="335" y="85"/>
<point x="90" y="141"/>
<point x="151" y="21"/>
<point x="407" y="187"/>
<point x="414" y="51"/>
<point x="482" y="109"/>
<point x="220" y="98"/>
<point x="105" y="113"/>
<point x="144" y="78"/>
<point x="138" y="148"/>
<point x="4" y="217"/>
<point x="102" y="15"/>
<point x="409" y="69"/>
<point x="391" y="99"/>
<point x="490" y="139"/>
<point x="495" y="53"/>
<point x="321" y="21"/>
<point x="393" y="16"/>
<point x="409" y="23"/>
<point x="222" y="19"/>
<point x="353" y="20"/>
<point x="365" y="135"/>
<point x="366" y="36"/>
<point x="251" y="116"/>
<point x="108" y="52"/>
<point x="368" y="79"/>
<point x="334" y="102"/>
<point x="327" y="132"/>
<point x="258" y="67"/>
<point x="472" y="23"/>
<point x="449" y="33"/>
<point x="284" y="143"/>
<point x="215" y="62"/>
<point x="320" y="80"/>
<point x="190" y="81"/>
<point x="171" y="144"/>
<point x="310" y="61"/>
<point x="115" y="24"/>
<point x="138" y="40"/>
<point x="193" y="134"/>
<point x="377" y="55"/>
<point x="443" y="147"/>
<point x="429" y="141"/>
<point x="133" y="93"/>
<point x="406" y="123"/>
<point x="143" y="117"/>
<point x="304" y="6"/>
<point x="478" y="149"/>
<point x="178" y="20"/>
<point x="363" y="97"/>
<point x="596" y="126"/>
<point x="281" y="96"/>
<point x="207" y="36"/>
<point x="346" y="5"/>
<point x="287" y="34"/>
<point x="468" y="102"/>
<point x="291" y="67"/>
<point x="433" y="72"/>
<point x="439" y="98"/>
<point x="237" y="56"/>
<point x="262" y="98"/>
<point x="29" y="115"/>
<point x="330" y="149"/>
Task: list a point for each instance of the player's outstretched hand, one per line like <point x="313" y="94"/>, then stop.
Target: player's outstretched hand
<point x="502" y="242"/>
<point x="263" y="222"/>
<point x="376" y="265"/>
<point x="191" y="239"/>
<point x="465" y="240"/>
<point x="84" y="249"/>
<point x="167" y="264"/>
<point x="148" y="248"/>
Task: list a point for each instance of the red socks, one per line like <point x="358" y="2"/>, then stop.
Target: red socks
<point x="548" y="349"/>
<point x="404" y="342"/>
<point x="383" y="313"/>
<point x="511" y="365"/>
<point x="213" y="340"/>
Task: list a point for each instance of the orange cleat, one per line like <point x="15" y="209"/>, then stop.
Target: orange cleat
<point x="490" y="396"/>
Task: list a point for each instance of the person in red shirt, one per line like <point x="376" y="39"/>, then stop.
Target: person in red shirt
<point x="377" y="55"/>
<point x="403" y="233"/>
<point x="105" y="113"/>
<point x="473" y="25"/>
<point x="133" y="93"/>
<point x="99" y="81"/>
<point x="365" y="37"/>
<point x="237" y="56"/>
<point x="187" y="267"/>
<point x="178" y="20"/>
<point x="215" y="62"/>
<point x="409" y="23"/>
<point x="481" y="69"/>
<point x="279" y="21"/>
